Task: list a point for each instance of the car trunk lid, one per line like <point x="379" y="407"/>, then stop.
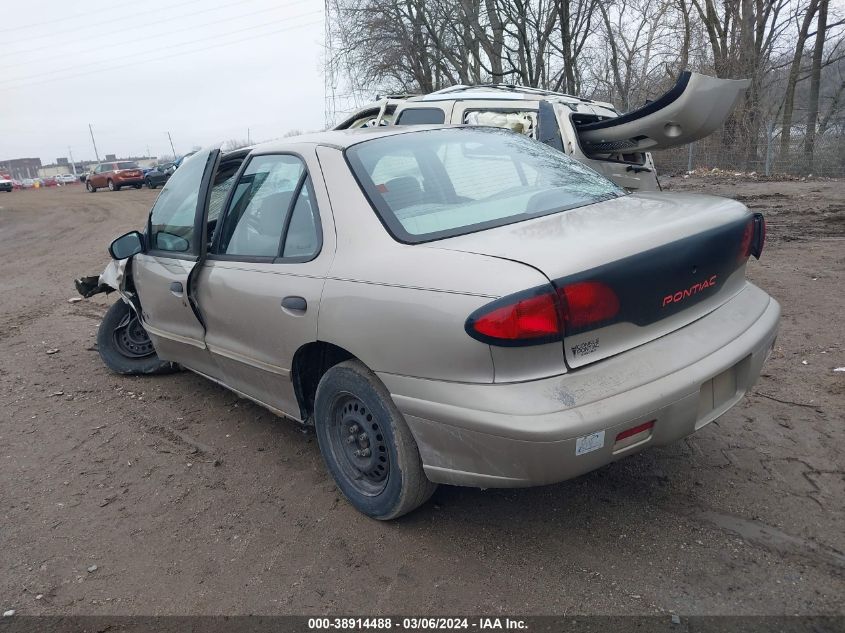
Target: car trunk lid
<point x="628" y="270"/>
<point x="694" y="108"/>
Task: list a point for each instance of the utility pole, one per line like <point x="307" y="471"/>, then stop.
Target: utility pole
<point x="96" y="154"/>
<point x="248" y="142"/>
<point x="72" y="164"/>
<point x="171" y="146"/>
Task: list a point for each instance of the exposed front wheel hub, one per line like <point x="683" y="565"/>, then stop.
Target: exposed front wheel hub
<point x="131" y="339"/>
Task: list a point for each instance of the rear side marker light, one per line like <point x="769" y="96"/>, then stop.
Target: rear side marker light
<point x="632" y="436"/>
<point x="635" y="430"/>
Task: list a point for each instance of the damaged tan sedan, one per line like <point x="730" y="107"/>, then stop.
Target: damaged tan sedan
<point x="443" y="304"/>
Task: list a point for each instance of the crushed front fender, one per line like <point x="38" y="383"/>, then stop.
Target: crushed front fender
<point x="112" y="278"/>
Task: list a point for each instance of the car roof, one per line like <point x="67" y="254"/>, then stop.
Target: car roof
<point x="504" y="92"/>
<point x="342" y="138"/>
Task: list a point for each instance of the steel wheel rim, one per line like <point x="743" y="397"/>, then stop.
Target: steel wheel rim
<point x="131" y="339"/>
<point x="358" y="444"/>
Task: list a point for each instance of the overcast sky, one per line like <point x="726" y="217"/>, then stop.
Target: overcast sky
<point x="205" y="70"/>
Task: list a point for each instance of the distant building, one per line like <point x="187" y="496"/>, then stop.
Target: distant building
<point x="21" y="168"/>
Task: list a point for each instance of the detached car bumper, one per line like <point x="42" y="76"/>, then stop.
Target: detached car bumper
<point x="549" y="430"/>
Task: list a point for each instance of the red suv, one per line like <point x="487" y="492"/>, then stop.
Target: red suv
<point x="114" y="176"/>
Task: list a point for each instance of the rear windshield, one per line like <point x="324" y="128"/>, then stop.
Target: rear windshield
<point x="433" y="184"/>
<point x="127" y="166"/>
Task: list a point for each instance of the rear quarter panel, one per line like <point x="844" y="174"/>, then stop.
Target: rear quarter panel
<point x="402" y="308"/>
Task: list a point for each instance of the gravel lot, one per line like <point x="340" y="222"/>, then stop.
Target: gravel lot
<point x="189" y="500"/>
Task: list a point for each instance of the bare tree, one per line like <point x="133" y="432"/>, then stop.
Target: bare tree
<point x="623" y="51"/>
<point x="815" y="84"/>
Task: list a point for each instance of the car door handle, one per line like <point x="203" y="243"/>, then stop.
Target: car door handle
<point x="296" y="304"/>
<point x="176" y="288"/>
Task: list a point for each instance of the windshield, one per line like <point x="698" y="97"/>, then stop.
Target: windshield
<point x="127" y="166"/>
<point x="432" y="184"/>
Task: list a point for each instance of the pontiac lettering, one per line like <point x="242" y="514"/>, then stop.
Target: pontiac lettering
<point x="688" y="292"/>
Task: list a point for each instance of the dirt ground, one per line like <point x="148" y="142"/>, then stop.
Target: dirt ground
<point x="189" y="500"/>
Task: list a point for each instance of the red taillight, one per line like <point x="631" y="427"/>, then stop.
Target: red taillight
<point x="745" y="244"/>
<point x="753" y="238"/>
<point x="586" y="303"/>
<point x="759" y="235"/>
<point x="525" y="319"/>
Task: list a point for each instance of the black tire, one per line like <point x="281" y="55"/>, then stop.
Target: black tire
<point x="124" y="345"/>
<point x="389" y="480"/>
<point x="137" y="186"/>
<point x="91" y="188"/>
<point x="150" y="184"/>
<point x="112" y="186"/>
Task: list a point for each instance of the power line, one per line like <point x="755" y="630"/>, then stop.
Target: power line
<point x="159" y="35"/>
<point x="163" y="48"/>
<point x="42" y="23"/>
<point x="74" y="31"/>
<point x="153" y="59"/>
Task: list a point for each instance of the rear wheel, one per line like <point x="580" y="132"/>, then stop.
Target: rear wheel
<point x="367" y="445"/>
<point x="91" y="188"/>
<point x="125" y="346"/>
<point x="150" y="184"/>
<point x="112" y="186"/>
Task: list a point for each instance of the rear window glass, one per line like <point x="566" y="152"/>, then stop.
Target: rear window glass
<point x="439" y="183"/>
<point x="127" y="166"/>
<point x="421" y="116"/>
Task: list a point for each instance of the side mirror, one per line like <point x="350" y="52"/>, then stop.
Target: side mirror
<point x="127" y="245"/>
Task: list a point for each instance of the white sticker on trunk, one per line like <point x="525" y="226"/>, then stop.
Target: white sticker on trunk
<point x="589" y="443"/>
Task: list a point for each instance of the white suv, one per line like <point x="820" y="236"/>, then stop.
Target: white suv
<point x="616" y="145"/>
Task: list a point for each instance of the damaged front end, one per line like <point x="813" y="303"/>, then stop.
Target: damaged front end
<point x="116" y="276"/>
<point x="112" y="278"/>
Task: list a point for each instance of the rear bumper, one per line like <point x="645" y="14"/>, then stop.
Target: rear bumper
<point x="524" y="434"/>
<point x="127" y="182"/>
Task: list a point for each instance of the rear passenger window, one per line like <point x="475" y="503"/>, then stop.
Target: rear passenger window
<point x="421" y="116"/>
<point x="272" y="212"/>
<point x="303" y="232"/>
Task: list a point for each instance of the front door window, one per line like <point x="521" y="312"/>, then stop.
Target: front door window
<point x="173" y="218"/>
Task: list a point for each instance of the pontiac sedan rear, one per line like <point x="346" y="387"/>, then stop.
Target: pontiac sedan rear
<point x="444" y="305"/>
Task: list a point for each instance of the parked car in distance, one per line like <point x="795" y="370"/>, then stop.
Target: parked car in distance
<point x="28" y="183"/>
<point x="114" y="176"/>
<point x="66" y="179"/>
<point x="178" y="161"/>
<point x="491" y="312"/>
<point x="6" y="184"/>
<point x="50" y="181"/>
<point x="159" y="175"/>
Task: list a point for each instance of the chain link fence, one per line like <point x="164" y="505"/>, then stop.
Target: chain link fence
<point x="717" y="151"/>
